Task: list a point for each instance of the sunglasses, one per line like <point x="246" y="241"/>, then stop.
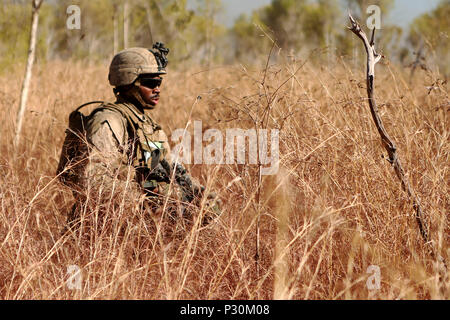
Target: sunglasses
<point x="151" y="83"/>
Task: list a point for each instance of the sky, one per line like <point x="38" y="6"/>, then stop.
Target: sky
<point x="403" y="13"/>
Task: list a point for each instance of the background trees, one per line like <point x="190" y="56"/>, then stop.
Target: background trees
<point x="193" y="31"/>
<point x="432" y="30"/>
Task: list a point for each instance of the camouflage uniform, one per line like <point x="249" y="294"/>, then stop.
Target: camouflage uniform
<point x="113" y="146"/>
<point x="122" y="135"/>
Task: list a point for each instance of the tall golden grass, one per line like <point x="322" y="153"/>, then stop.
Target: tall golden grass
<point x="334" y="208"/>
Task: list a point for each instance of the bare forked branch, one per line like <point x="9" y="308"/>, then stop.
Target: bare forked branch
<point x="372" y="58"/>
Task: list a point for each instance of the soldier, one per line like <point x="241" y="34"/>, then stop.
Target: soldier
<point x="122" y="135"/>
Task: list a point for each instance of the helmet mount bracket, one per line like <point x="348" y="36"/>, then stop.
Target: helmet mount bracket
<point x="160" y="53"/>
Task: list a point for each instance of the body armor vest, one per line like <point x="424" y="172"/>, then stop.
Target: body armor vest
<point x="144" y="151"/>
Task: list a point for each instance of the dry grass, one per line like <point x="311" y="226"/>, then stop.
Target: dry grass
<point x="334" y="209"/>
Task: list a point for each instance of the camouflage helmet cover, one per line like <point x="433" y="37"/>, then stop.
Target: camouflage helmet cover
<point x="128" y="64"/>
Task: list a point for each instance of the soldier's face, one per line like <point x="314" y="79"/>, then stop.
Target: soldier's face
<point x="149" y="89"/>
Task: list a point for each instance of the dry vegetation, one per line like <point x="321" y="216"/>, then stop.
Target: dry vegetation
<point x="334" y="208"/>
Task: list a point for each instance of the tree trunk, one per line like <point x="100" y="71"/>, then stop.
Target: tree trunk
<point x="116" y="30"/>
<point x="30" y="60"/>
<point x="148" y="13"/>
<point x="125" y="24"/>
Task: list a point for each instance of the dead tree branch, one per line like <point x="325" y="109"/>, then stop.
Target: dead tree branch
<point x="372" y="58"/>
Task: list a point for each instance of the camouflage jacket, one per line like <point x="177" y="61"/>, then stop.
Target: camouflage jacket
<point x="127" y="145"/>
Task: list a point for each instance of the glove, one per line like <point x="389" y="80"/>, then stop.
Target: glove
<point x="213" y="208"/>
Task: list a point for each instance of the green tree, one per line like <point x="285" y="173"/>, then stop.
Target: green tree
<point x="191" y="35"/>
<point x="207" y="32"/>
<point x="296" y="25"/>
<point x="164" y="21"/>
<point x="14" y="37"/>
<point x="433" y="29"/>
<point x="94" y="40"/>
<point x="248" y="38"/>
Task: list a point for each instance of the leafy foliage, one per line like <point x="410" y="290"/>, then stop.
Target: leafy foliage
<point x="191" y="29"/>
<point x="433" y="28"/>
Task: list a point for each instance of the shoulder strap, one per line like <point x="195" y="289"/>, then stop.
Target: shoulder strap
<point x="88" y="103"/>
<point x="118" y="107"/>
<point x="124" y="111"/>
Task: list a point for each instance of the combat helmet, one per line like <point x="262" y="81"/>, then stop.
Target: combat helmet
<point x="129" y="64"/>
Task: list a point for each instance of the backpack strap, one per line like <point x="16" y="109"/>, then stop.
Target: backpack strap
<point x="122" y="109"/>
<point x="88" y="103"/>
